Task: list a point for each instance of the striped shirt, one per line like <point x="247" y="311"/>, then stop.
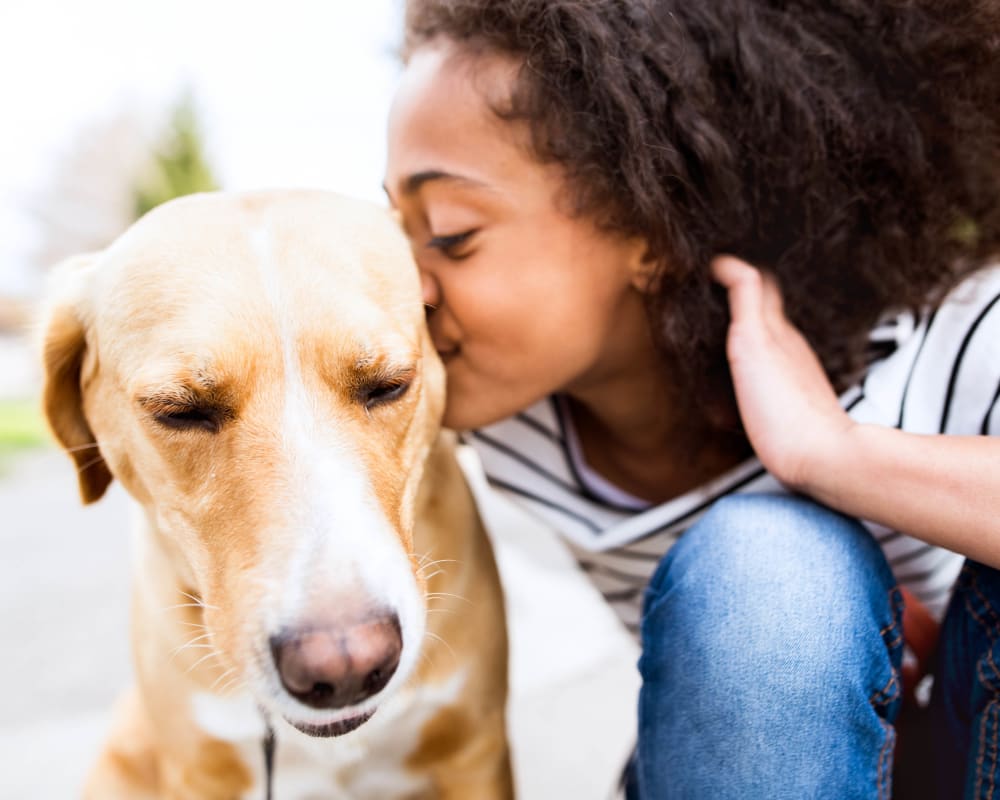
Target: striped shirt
<point x="934" y="373"/>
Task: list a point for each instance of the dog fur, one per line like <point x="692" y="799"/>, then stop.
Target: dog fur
<point x="255" y="370"/>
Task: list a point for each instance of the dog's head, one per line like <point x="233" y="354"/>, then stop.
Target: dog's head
<point x="256" y="372"/>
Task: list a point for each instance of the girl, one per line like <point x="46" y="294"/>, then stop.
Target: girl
<point x="577" y="178"/>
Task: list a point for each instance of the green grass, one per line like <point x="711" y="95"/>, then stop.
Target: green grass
<point x="21" y="426"/>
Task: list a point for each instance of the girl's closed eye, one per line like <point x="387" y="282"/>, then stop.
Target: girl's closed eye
<point x="453" y="246"/>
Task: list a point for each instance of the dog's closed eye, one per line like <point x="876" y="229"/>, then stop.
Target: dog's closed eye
<point x="186" y="418"/>
<point x="382" y="392"/>
<point x="185" y="409"/>
<point x="377" y="383"/>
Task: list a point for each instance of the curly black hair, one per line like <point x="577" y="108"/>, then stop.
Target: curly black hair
<point x="851" y="147"/>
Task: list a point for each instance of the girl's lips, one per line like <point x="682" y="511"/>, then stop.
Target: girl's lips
<point x="447" y="350"/>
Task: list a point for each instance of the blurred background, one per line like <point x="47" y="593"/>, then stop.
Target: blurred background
<point x="112" y="107"/>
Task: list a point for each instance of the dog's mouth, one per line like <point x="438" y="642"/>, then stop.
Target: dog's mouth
<point x="338" y="728"/>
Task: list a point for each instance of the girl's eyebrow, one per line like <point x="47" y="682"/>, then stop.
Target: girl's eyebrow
<point x="412" y="183"/>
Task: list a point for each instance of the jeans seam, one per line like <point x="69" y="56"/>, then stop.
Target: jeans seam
<point x="990" y="633"/>
<point x="883" y="696"/>
<point x="881" y="771"/>
<point x="992" y="710"/>
<point x="887" y="695"/>
<point x="974" y="586"/>
<point x="993" y="770"/>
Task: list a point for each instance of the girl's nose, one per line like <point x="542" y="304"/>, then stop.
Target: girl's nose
<point x="430" y="288"/>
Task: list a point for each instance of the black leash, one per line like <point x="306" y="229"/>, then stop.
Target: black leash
<point x="269" y="745"/>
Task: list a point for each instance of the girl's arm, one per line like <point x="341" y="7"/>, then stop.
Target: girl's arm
<point x="942" y="489"/>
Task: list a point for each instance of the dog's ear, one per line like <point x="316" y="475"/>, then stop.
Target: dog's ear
<point x="64" y="346"/>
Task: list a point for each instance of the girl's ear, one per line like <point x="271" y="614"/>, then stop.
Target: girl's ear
<point x="64" y="346"/>
<point x="643" y="267"/>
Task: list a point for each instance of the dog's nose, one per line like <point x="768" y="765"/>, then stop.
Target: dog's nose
<point x="334" y="667"/>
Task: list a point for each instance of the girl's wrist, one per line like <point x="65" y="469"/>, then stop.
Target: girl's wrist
<point x="833" y="458"/>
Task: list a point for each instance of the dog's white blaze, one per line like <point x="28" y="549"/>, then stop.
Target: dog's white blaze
<point x="342" y="543"/>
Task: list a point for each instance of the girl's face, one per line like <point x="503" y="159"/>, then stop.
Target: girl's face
<point x="526" y="300"/>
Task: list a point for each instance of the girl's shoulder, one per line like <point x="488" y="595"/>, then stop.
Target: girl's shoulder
<point x="939" y="371"/>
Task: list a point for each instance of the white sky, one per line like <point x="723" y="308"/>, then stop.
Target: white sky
<point x="291" y="94"/>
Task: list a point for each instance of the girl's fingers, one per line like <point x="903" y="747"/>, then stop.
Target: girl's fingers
<point x="774" y="306"/>
<point x="745" y="287"/>
<point x="754" y="296"/>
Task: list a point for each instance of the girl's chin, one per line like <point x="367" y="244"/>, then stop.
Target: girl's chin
<point x="470" y="410"/>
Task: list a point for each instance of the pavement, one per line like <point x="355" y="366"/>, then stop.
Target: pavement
<point x="64" y="593"/>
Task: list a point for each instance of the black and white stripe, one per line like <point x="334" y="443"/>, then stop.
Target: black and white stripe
<point x="937" y="373"/>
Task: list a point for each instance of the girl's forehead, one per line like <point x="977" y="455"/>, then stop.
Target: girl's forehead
<point x="446" y="80"/>
<point x="444" y="116"/>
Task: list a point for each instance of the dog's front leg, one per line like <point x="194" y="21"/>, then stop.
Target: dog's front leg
<point x="127" y="766"/>
<point x="466" y="756"/>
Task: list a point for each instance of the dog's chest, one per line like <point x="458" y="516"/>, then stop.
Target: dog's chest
<point x="366" y="764"/>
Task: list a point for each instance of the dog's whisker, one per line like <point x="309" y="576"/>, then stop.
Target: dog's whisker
<point x="206" y="635"/>
<point x="426" y="658"/>
<point x="213" y="654"/>
<point x="195" y="640"/>
<point x="183" y="605"/>
<point x="449" y="595"/>
<point x="229" y="685"/>
<point x="420" y="562"/>
<point x="436" y="562"/>
<point x="197" y="604"/>
<point x="223" y="677"/>
<point x="232" y="687"/>
<point x="89" y="464"/>
<point x="198" y="601"/>
<point x="189" y="646"/>
<point x="427" y="559"/>
<point x="436" y="602"/>
<point x="81" y="447"/>
<point x="434" y="636"/>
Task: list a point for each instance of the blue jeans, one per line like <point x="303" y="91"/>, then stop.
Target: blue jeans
<point x="965" y="704"/>
<point x="772" y="643"/>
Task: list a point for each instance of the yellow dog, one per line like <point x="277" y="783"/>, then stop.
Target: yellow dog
<point x="255" y="370"/>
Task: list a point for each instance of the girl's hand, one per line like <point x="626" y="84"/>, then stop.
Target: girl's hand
<point x="788" y="407"/>
<point x="795" y="424"/>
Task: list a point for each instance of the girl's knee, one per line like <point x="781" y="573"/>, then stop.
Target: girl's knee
<point x="757" y="544"/>
<point x="771" y="577"/>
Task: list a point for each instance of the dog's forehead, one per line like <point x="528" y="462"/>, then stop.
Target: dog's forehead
<point x="310" y="237"/>
<point x="222" y="255"/>
<point x="230" y="285"/>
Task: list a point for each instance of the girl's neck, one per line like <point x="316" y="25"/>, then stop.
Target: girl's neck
<point x="632" y="436"/>
<point x="633" y="429"/>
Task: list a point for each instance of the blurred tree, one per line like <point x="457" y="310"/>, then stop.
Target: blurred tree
<point x="178" y="165"/>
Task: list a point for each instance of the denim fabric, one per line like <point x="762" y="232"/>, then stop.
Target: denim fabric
<point x="965" y="704"/>
<point x="772" y="643"/>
